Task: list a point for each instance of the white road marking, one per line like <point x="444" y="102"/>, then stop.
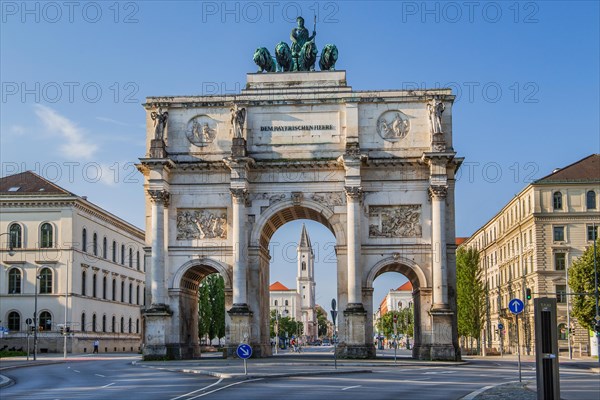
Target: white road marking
<point x="101" y="376"/>
<point x="199" y="390"/>
<point x="225" y="387"/>
<point x="76" y="371"/>
<point x="105" y="386"/>
<point x="351" y="387"/>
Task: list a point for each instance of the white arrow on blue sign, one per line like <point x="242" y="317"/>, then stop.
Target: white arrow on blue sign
<point x="244" y="351"/>
<point x="516" y="306"/>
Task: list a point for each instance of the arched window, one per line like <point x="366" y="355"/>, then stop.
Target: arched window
<point x="122" y="292"/>
<point x="130" y="293"/>
<point x="114" y="252"/>
<point x="46" y="239"/>
<point x="286" y="303"/>
<point x="590" y="200"/>
<point x="275" y="302"/>
<point x="95" y="244"/>
<point x="137" y="325"/>
<point x="84" y="240"/>
<point x="130" y="258"/>
<point x="104" y="288"/>
<point x="557" y="201"/>
<point x="114" y="290"/>
<point x="14" y="281"/>
<point x="137" y="295"/>
<point x="14" y="321"/>
<point x="93" y="322"/>
<point x="303" y="266"/>
<point x="45" y="281"/>
<point x="130" y="326"/>
<point x="94" y="282"/>
<point x="83" y="282"/>
<point x="122" y="325"/>
<point x="114" y="324"/>
<point x="104" y="323"/>
<point x="45" y="323"/>
<point x="137" y="260"/>
<point x="15" y="233"/>
<point x="82" y="322"/>
<point x="122" y="254"/>
<point x="104" y="248"/>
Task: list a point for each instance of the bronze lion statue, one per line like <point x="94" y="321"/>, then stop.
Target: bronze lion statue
<point x="263" y="59"/>
<point x="283" y="55"/>
<point x="329" y="56"/>
<point x="307" y="57"/>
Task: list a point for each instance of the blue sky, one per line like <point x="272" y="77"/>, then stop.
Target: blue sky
<point x="74" y="75"/>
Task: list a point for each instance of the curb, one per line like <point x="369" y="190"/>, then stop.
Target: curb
<point x="484" y="389"/>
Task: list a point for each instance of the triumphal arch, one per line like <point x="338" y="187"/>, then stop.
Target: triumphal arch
<point x="223" y="173"/>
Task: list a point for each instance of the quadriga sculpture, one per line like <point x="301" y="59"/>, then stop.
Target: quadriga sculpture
<point x="283" y="55"/>
<point x="263" y="59"/>
<point x="329" y="56"/>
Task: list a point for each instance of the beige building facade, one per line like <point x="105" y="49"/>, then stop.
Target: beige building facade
<point x="530" y="244"/>
<point x="89" y="267"/>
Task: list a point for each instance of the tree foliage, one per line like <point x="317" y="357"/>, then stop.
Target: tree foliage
<point x="470" y="293"/>
<point x="582" y="280"/>
<point x="286" y="325"/>
<point x="405" y="324"/>
<point x="322" y="322"/>
<point x="211" y="307"/>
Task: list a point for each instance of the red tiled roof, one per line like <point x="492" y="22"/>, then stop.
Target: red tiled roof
<point x="460" y="240"/>
<point x="585" y="170"/>
<point x="278" y="287"/>
<point x="29" y="183"/>
<point x="406" y="287"/>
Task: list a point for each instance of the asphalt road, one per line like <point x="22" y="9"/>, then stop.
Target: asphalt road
<point x="116" y="378"/>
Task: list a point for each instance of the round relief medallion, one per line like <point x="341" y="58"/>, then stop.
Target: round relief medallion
<point x="201" y="130"/>
<point x="393" y="125"/>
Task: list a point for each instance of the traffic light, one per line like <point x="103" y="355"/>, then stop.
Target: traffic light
<point x="528" y="294"/>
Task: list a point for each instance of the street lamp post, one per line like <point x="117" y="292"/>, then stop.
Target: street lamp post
<point x="35" y="319"/>
<point x="595" y="235"/>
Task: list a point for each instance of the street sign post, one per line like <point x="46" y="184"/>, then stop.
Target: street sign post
<point x="516" y="307"/>
<point x="244" y="351"/>
<point x="333" y="317"/>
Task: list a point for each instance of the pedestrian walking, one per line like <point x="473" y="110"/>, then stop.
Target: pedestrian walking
<point x="96" y="346"/>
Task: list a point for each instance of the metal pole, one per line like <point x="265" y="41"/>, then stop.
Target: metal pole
<point x="568" y="313"/>
<point x="35" y="323"/>
<point x="595" y="233"/>
<point x="277" y="333"/>
<point x="334" y="347"/>
<point x="518" y="346"/>
<point x="66" y="309"/>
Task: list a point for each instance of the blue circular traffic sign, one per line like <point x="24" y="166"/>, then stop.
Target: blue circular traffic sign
<point x="244" y="351"/>
<point x="516" y="306"/>
<point x="500" y="326"/>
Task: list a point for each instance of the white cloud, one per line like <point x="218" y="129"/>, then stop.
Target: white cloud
<point x="17" y="130"/>
<point x="76" y="144"/>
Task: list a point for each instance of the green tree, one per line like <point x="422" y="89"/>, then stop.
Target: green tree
<point x="405" y="322"/>
<point x="286" y="325"/>
<point x="204" y="310"/>
<point x="581" y="280"/>
<point x="470" y="294"/>
<point x="211" y="307"/>
<point x="322" y="322"/>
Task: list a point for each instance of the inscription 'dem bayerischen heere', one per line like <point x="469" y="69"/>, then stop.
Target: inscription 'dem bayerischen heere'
<point x="290" y="128"/>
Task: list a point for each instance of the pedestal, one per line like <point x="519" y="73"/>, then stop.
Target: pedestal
<point x="238" y="147"/>
<point x="240" y="329"/>
<point x="157" y="149"/>
<point x="156" y="319"/>
<point x="356" y="344"/>
<point x="444" y="340"/>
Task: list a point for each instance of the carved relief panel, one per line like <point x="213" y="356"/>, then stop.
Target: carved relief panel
<point x="395" y="221"/>
<point x="202" y="224"/>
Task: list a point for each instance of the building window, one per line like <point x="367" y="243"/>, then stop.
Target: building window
<point x="130" y="258"/>
<point x="45" y="322"/>
<point x="122" y="292"/>
<point x="94" y="281"/>
<point x="46" y="236"/>
<point x="114" y="324"/>
<point x="95" y="244"/>
<point x="131" y="293"/>
<point x="45" y="281"/>
<point x="104" y="323"/>
<point x="122" y="254"/>
<point x="137" y="325"/>
<point x="114" y="252"/>
<point x="557" y="201"/>
<point x="83" y="283"/>
<point x="14" y="281"/>
<point x="303" y="266"/>
<point x="286" y="303"/>
<point x="82" y="322"/>
<point x="561" y="293"/>
<point x="560" y="261"/>
<point x="114" y="290"/>
<point x="14" y="321"/>
<point x="559" y="233"/>
<point x="562" y="332"/>
<point x="84" y="240"/>
<point x="130" y="326"/>
<point x="104" y="288"/>
<point x="15" y="233"/>
<point x="590" y="200"/>
<point x="122" y="325"/>
<point x="94" y="323"/>
<point x="592" y="232"/>
<point x="137" y="260"/>
<point x="104" y="249"/>
<point x="275" y="302"/>
<point x="137" y="295"/>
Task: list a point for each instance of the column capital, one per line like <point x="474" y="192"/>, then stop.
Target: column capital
<point x="159" y="196"/>
<point x="438" y="191"/>
<point x="353" y="192"/>
<point x="239" y="195"/>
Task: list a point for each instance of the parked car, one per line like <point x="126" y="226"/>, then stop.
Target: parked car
<point x="326" y="342"/>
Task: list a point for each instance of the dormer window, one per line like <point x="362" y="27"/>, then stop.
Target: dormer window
<point x="14" y="188"/>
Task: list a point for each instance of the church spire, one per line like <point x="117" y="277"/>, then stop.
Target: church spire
<point x="304" y="239"/>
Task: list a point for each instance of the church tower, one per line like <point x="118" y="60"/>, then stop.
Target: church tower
<point x="306" y="285"/>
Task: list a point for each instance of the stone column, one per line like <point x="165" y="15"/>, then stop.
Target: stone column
<point x="438" y="246"/>
<point x="354" y="194"/>
<point x="160" y="199"/>
<point x="240" y="254"/>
